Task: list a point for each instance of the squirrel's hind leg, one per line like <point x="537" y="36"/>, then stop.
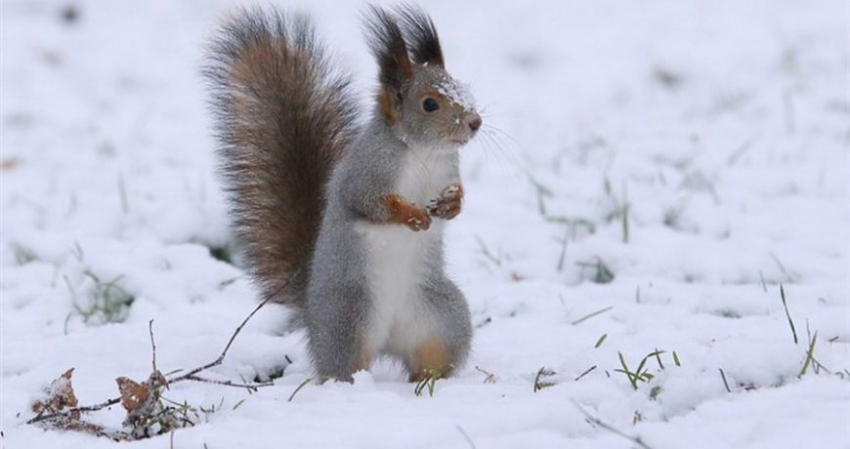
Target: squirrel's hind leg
<point x="337" y="337"/>
<point x="447" y="346"/>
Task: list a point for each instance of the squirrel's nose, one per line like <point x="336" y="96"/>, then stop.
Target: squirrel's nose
<point x="474" y="121"/>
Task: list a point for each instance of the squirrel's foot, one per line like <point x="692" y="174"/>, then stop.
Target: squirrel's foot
<point x="409" y="214"/>
<point x="448" y="204"/>
<point x="430" y="360"/>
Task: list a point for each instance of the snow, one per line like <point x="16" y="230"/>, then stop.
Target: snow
<point x="459" y="93"/>
<point x="721" y="130"/>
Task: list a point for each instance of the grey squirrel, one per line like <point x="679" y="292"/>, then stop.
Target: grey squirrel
<point x="344" y="223"/>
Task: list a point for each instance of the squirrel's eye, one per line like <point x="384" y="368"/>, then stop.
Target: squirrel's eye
<point x="430" y="105"/>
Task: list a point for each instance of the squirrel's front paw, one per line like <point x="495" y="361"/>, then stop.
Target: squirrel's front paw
<point x="447" y="205"/>
<point x="406" y="213"/>
<point x="418" y="220"/>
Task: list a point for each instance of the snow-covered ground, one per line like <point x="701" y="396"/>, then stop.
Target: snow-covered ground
<point x="650" y="173"/>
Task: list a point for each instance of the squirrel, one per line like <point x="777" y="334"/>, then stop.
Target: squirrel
<point x="343" y="222"/>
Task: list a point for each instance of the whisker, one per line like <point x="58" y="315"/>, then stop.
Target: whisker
<point x="506" y="151"/>
<point x="503" y="133"/>
<point x="490" y="141"/>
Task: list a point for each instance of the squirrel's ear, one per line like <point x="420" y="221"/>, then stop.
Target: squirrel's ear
<point x="424" y="44"/>
<point x="388" y="46"/>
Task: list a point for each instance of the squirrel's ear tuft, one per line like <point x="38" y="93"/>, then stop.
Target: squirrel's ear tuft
<point x="388" y="46"/>
<point x="424" y="44"/>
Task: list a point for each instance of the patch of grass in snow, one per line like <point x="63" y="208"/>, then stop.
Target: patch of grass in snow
<point x="597" y="271"/>
<point x="542" y="192"/>
<point x="573" y="228"/>
<point x="641" y="373"/>
<point x="539" y="382"/>
<point x="810" y="355"/>
<point x="428" y="383"/>
<point x="654" y="392"/>
<point x="620" y="206"/>
<point x="23" y="255"/>
<point x="673" y="217"/>
<point x="178" y="415"/>
<point x="496" y="257"/>
<point x="223" y="253"/>
<point x="103" y="301"/>
<point x="727" y="313"/>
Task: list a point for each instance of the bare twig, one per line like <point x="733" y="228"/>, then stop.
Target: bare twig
<point x="88" y="408"/>
<point x="220" y="358"/>
<point x="596" y="421"/>
<point x="227" y="383"/>
<point x="156" y="375"/>
<point x="153" y="346"/>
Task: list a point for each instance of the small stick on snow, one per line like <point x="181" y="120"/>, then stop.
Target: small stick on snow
<point x="465" y="436"/>
<point x="723" y="375"/>
<point x="227" y="383"/>
<point x="615" y="431"/>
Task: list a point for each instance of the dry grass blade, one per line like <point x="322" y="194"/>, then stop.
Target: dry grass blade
<point x="787" y="314"/>
<point x="591" y="315"/>
<point x="586" y="372"/>
<point x="299" y="387"/>
<point x="810" y="355"/>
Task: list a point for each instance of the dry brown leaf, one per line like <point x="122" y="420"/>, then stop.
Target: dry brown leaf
<point x="60" y="394"/>
<point x="133" y="394"/>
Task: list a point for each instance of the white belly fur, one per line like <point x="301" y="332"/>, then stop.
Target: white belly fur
<point x="396" y="257"/>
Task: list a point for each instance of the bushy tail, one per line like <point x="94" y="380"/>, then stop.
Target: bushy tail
<point x="283" y="120"/>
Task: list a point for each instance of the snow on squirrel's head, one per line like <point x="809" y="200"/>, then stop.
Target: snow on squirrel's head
<point x="417" y="97"/>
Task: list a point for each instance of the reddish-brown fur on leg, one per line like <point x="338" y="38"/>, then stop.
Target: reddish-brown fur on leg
<point x="403" y="212"/>
<point x="364" y="356"/>
<point x="429" y="358"/>
<point x="448" y="205"/>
